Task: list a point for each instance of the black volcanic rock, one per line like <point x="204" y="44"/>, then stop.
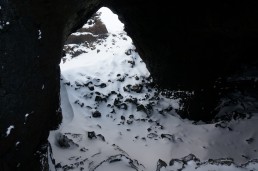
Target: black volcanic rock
<point x="30" y="52"/>
<point x="96" y="114"/>
<point x="161" y="164"/>
<point x="64" y="142"/>
<point x="91" y="135"/>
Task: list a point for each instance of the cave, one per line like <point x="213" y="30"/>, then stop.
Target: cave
<point x="195" y="47"/>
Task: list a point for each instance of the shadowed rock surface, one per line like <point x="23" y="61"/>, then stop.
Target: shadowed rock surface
<point x="30" y="50"/>
<point x="191" y="46"/>
<point x="96" y="30"/>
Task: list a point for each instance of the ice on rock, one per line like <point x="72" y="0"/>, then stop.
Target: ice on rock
<point x="9" y="130"/>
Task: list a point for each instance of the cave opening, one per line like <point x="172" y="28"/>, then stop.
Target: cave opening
<point x="208" y="49"/>
<point x="116" y="118"/>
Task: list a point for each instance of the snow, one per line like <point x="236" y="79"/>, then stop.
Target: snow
<point x="125" y="136"/>
<point x="26" y="116"/>
<point x="9" y="130"/>
<point x="17" y="143"/>
<point x="109" y="17"/>
<point x="82" y="33"/>
<point x="3" y="24"/>
<point x="39" y="33"/>
<point x="18" y="165"/>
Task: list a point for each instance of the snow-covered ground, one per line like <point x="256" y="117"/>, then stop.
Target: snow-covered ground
<point x="114" y="119"/>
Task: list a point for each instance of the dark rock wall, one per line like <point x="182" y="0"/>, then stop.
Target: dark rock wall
<point x="30" y="50"/>
<point x="186" y="45"/>
<point x="189" y="45"/>
<point x="192" y="45"/>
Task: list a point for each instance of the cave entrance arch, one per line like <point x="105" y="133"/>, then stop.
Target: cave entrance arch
<point x="105" y="91"/>
<point x="33" y="33"/>
<point x="101" y="55"/>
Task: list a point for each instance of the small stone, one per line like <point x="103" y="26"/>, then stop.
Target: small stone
<point x="250" y="140"/>
<point x="150" y="120"/>
<point x="168" y="136"/>
<point x="161" y="164"/>
<point x="120" y="96"/>
<point x="113" y="92"/>
<point x="67" y="83"/>
<point x="98" y="93"/>
<point x="91" y="88"/>
<point x="129" y="122"/>
<point x="96" y="114"/>
<point x="137" y="88"/>
<point x="123" y="106"/>
<point x="83" y="149"/>
<point x="64" y="142"/>
<point x="152" y="135"/>
<point x="102" y="85"/>
<point x="131" y="116"/>
<point x="128" y="52"/>
<point x="91" y="135"/>
<point x="100" y="99"/>
<point x="58" y="165"/>
<point x="101" y="137"/>
<point x="114" y="160"/>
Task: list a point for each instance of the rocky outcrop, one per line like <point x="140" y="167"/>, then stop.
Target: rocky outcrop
<point x="185" y="46"/>
<point x="94" y="30"/>
<point x="191" y="161"/>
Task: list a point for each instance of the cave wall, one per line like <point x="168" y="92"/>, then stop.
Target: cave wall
<point x="189" y="45"/>
<point x="185" y="46"/>
<point x="30" y="50"/>
<point x="193" y="46"/>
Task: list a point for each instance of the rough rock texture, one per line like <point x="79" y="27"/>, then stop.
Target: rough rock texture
<point x="193" y="45"/>
<point x="97" y="29"/>
<point x="185" y="46"/>
<point x="30" y="50"/>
